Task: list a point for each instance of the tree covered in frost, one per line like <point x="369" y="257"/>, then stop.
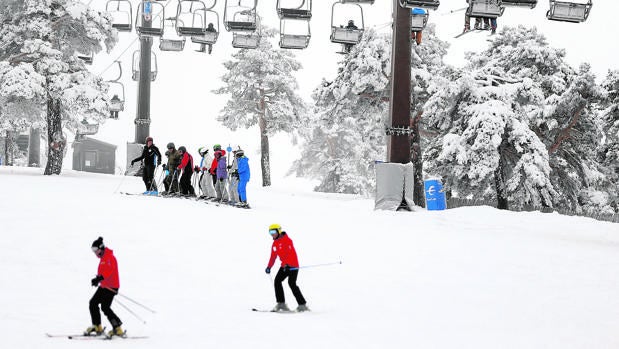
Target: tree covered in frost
<point x="428" y="72"/>
<point x="519" y="125"/>
<point x="609" y="153"/>
<point x="347" y="128"/>
<point x="262" y="90"/>
<point x="487" y="149"/>
<point x="41" y="40"/>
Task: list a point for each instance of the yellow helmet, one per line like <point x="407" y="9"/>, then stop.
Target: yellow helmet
<point x="275" y="228"/>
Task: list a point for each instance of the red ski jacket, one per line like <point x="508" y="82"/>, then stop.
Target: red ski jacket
<point x="283" y="248"/>
<point x="108" y="268"/>
<point x="187" y="160"/>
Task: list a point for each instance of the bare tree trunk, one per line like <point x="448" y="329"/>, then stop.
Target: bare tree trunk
<point x="9" y="147"/>
<point x="265" y="162"/>
<point x="417" y="160"/>
<point x="499" y="181"/>
<point x="56" y="140"/>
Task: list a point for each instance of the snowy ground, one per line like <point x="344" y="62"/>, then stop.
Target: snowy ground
<point x="463" y="278"/>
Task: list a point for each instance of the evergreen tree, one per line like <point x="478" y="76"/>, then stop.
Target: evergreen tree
<point x="262" y="91"/>
<point x="609" y="153"/>
<point x="487" y="149"/>
<point x="41" y="40"/>
<point x="427" y="71"/>
<point x="347" y="127"/>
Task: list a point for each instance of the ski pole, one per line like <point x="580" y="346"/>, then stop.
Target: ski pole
<point x="131" y="300"/>
<point x="122" y="180"/>
<point x="130" y="311"/>
<point x="316" y="265"/>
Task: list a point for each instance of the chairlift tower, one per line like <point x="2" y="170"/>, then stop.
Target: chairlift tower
<point x="398" y="147"/>
<point x="142" y="118"/>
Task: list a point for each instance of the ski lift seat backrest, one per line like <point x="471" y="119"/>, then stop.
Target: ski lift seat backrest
<point x="485" y="8"/>
<point x="346" y="36"/>
<point x="248" y="41"/>
<point x="565" y="11"/>
<point x="419" y="21"/>
<point x="241" y="26"/>
<point x="208" y="38"/>
<point x="427" y="4"/>
<point x="174" y="45"/>
<point x="297" y="42"/>
<point x="122" y="27"/>
<point x="520" y="3"/>
<point x="293" y="13"/>
<point x="190" y="31"/>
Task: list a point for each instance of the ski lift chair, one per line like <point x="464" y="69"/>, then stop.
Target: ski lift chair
<point x="344" y="35"/>
<point x="147" y="14"/>
<point x="171" y="44"/>
<point x="242" y="18"/>
<point x="302" y="11"/>
<point x="212" y="34"/>
<point x="87" y="58"/>
<point x="135" y="72"/>
<point x="86" y="129"/>
<point x="245" y="40"/>
<point x="122" y="14"/>
<point x="419" y="21"/>
<point x="190" y="11"/>
<point x="298" y="41"/>
<point x="117" y="102"/>
<point x="485" y="8"/>
<point x="565" y="11"/>
<point x="520" y="3"/>
<point x="427" y="4"/>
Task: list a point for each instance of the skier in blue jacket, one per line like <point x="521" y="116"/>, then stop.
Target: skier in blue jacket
<point x="243" y="169"/>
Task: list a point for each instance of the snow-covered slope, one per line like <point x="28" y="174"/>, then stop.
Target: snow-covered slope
<point x="464" y="278"/>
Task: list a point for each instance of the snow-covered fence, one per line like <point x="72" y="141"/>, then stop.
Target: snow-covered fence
<point x="458" y="202"/>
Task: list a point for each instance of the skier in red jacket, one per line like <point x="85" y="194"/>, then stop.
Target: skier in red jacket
<point x="108" y="282"/>
<point x="283" y="248"/>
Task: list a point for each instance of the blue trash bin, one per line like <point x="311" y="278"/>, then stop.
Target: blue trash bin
<point x="435" y="196"/>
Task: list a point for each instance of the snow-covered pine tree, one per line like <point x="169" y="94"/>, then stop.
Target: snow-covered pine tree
<point x="487" y="149"/>
<point x="262" y="91"/>
<point x="20" y="105"/>
<point x="427" y="70"/>
<point x="44" y="39"/>
<point x="609" y="152"/>
<point x="347" y="128"/>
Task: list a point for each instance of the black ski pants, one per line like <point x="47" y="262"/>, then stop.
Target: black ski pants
<point x="185" y="183"/>
<point x="282" y="274"/>
<point x="104" y="297"/>
<point x="148" y="176"/>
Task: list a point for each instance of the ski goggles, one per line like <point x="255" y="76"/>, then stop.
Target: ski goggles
<point x="95" y="249"/>
<point x="273" y="231"/>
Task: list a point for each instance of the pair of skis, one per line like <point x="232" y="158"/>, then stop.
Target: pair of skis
<point x="88" y="337"/>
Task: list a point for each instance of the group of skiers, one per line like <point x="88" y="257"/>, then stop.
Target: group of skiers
<point x="107" y="282"/>
<point x="217" y="180"/>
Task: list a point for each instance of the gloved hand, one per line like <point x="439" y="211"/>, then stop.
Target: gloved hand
<point x="229" y="167"/>
<point x="164" y="166"/>
<point x="286" y="268"/>
<point x="132" y="162"/>
<point x="158" y="163"/>
<point x="267" y="270"/>
<point x="196" y="169"/>
<point x="95" y="281"/>
<point x="221" y="179"/>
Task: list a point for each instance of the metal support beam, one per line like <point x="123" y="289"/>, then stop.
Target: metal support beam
<point x="142" y="118"/>
<point x="398" y="147"/>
